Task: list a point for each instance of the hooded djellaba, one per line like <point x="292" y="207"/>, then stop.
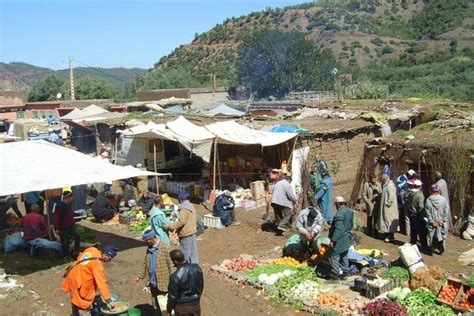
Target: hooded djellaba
<point x="437" y="211"/>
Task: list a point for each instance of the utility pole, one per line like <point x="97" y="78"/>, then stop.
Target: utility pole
<point x="214" y="84"/>
<point x="71" y="79"/>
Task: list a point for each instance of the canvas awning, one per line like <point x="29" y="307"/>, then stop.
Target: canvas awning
<point x="38" y="165"/>
<point x="90" y="114"/>
<point x="222" y="110"/>
<point x="230" y="132"/>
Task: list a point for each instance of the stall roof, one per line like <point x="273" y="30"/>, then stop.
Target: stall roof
<point x="91" y="114"/>
<point x="230" y="132"/>
<point x="221" y="110"/>
<point x="38" y="165"/>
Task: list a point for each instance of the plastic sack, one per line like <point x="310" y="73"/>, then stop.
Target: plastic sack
<point x="14" y="242"/>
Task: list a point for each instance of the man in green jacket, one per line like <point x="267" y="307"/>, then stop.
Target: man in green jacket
<point x="340" y="234"/>
<point x="415" y="208"/>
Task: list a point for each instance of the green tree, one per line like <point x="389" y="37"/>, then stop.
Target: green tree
<point x="93" y="88"/>
<point x="274" y="62"/>
<point x="46" y="89"/>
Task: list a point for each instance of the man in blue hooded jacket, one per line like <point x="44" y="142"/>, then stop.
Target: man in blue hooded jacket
<point x="324" y="196"/>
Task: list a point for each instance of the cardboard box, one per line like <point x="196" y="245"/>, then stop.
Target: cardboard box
<point x="257" y="188"/>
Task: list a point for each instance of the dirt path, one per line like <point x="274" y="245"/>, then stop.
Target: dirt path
<point x="221" y="296"/>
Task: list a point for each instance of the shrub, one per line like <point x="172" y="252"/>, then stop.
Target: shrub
<point x="387" y="50"/>
<point x="377" y="41"/>
<point x="365" y="89"/>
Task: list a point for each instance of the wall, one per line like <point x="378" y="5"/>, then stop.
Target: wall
<point x="155" y="95"/>
<point x="204" y="100"/>
<point x="345" y="153"/>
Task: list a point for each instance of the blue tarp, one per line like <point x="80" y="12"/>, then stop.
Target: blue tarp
<point x="176" y="109"/>
<point x="285" y="129"/>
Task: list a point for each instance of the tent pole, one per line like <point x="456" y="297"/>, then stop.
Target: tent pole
<point x="46" y="201"/>
<point x="154" y="167"/>
<point x="215" y="163"/>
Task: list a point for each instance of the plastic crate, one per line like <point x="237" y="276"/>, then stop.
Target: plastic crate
<point x="212" y="221"/>
<point x="374" y="291"/>
<point x="127" y="220"/>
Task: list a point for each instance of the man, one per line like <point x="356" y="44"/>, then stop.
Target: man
<point x="158" y="267"/>
<point x="224" y="209"/>
<point x="402" y="195"/>
<point x="341" y="238"/>
<point x="53" y="137"/>
<point x="272" y="178"/>
<point x="34" y="225"/>
<point x="7" y="202"/>
<point x="387" y="221"/>
<point x="415" y="208"/>
<point x="309" y="224"/>
<point x="31" y="198"/>
<point x="87" y="278"/>
<point x="324" y="196"/>
<point x="316" y="174"/>
<point x="185" y="287"/>
<point x="103" y="208"/>
<point x="370" y="196"/>
<point x="437" y="211"/>
<point x="443" y="186"/>
<point x="283" y="200"/>
<point x="64" y="224"/>
<point x="146" y="202"/>
<point x="158" y="220"/>
<point x="186" y="228"/>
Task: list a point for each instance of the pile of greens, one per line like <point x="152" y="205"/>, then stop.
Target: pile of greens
<point x="470" y="281"/>
<point x="268" y="269"/>
<point x="423" y="302"/>
<point x="284" y="285"/>
<point x="397" y="273"/>
<point x="86" y="234"/>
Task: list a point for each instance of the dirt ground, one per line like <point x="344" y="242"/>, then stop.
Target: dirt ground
<point x="221" y="296"/>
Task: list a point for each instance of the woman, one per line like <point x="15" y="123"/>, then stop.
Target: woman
<point x="158" y="220"/>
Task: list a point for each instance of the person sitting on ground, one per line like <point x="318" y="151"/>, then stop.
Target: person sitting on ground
<point x="146" y="202"/>
<point x="185" y="287"/>
<point x="86" y="281"/>
<point x="186" y="226"/>
<point x="224" y="208"/>
<point x="341" y="237"/>
<point x="34" y="225"/>
<point x="103" y="208"/>
<point x="158" y="220"/>
<point x="283" y="200"/>
<point x="437" y="211"/>
<point x="64" y="224"/>
<point x="158" y="267"/>
<point x="309" y="224"/>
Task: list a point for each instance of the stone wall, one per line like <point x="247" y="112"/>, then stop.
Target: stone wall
<point x="206" y="99"/>
<point x="343" y="154"/>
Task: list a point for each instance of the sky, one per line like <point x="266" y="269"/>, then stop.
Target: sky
<point x="110" y="33"/>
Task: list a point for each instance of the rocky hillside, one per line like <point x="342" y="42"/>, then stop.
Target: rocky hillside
<point x="360" y="33"/>
<point x="21" y="75"/>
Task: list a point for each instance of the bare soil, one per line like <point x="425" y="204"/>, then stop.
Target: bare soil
<point x="221" y="296"/>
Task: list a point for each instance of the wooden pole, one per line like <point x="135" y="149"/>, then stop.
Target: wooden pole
<point x="46" y="201"/>
<point x="154" y="167"/>
<point x="215" y="164"/>
<point x="115" y="150"/>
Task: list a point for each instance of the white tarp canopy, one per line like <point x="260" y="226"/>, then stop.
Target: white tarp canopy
<point x="199" y="139"/>
<point x="90" y="114"/>
<point x="38" y="165"/>
<point x="222" y="110"/>
<point x="230" y="132"/>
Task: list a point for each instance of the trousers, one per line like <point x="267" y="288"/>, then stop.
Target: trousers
<point x="282" y="215"/>
<point x="339" y="262"/>
<point x="189" y="248"/>
<point x="65" y="235"/>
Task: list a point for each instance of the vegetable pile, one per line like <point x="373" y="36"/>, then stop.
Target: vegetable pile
<point x="284" y="285"/>
<point x="464" y="302"/>
<point x="470" y="281"/>
<point x="384" y="307"/>
<point x="306" y="291"/>
<point x="329" y="299"/>
<point x="378" y="282"/>
<point x="398" y="294"/>
<point x="239" y="264"/>
<point x="289" y="261"/>
<point x="139" y="226"/>
<point x="423" y="302"/>
<point x="397" y="273"/>
<point x="350" y="306"/>
<point x="449" y="292"/>
<point x="273" y="278"/>
<point x="268" y="269"/>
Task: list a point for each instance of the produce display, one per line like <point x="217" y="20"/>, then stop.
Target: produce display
<point x="419" y="298"/>
<point x="431" y="310"/>
<point x="350" y="306"/>
<point x="306" y="291"/>
<point x="384" y="307"/>
<point x="465" y="302"/>
<point x="449" y="292"/>
<point x="329" y="299"/>
<point x="139" y="226"/>
<point x="470" y="281"/>
<point x="239" y="264"/>
<point x="289" y="261"/>
<point x="273" y="278"/>
<point x="426" y="278"/>
<point x="284" y="285"/>
<point x="268" y="269"/>
<point x="377" y="282"/>
<point x="398" y="294"/>
<point x="397" y="273"/>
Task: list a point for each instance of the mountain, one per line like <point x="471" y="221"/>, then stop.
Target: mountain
<point x="18" y="75"/>
<point x="363" y="35"/>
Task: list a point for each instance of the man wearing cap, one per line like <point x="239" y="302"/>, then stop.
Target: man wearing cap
<point x="64" y="224"/>
<point x="158" y="267"/>
<point x="272" y="178"/>
<point x="324" y="196"/>
<point x="341" y="238"/>
<point x="283" y="200"/>
<point x="224" y="208"/>
<point x="387" y="218"/>
<point x="415" y="209"/>
<point x="87" y="278"/>
<point x="309" y="224"/>
<point x="186" y="227"/>
<point x="437" y="211"/>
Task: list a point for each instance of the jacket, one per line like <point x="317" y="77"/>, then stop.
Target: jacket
<point x="415" y="203"/>
<point x="63" y="216"/>
<point x="437" y="209"/>
<point x="283" y="194"/>
<point x="34" y="226"/>
<point x="164" y="267"/>
<point x="222" y="207"/>
<point x="185" y="287"/>
<point x="324" y="198"/>
<point x="186" y="223"/>
<point x="85" y="279"/>
<point x="370" y="193"/>
<point x="387" y="218"/>
<point x="340" y="232"/>
<point x="305" y="224"/>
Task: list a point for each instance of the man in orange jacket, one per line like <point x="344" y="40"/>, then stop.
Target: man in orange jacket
<point x="87" y="279"/>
